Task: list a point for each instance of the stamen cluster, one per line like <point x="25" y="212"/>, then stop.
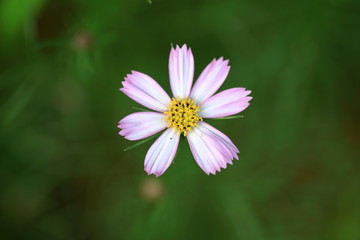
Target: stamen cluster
<point x="182" y="115"/>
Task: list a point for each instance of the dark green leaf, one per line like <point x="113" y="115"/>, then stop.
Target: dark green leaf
<point x="141" y="142"/>
<point x="141" y="109"/>
<point x="229" y="117"/>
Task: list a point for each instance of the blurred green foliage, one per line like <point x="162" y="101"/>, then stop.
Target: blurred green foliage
<point x="63" y="171"/>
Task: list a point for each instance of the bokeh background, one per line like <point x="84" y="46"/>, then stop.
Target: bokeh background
<point x="63" y="170"/>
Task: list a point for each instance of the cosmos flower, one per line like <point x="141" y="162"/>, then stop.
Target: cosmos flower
<point x="184" y="113"/>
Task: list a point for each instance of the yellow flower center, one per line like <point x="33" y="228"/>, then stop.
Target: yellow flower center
<point x="182" y="115"/>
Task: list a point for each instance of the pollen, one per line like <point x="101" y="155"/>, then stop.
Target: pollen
<point x="182" y="115"/>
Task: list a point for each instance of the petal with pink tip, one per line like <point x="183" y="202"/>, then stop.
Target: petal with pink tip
<point x="211" y="148"/>
<point x="140" y="125"/>
<point x="210" y="80"/>
<point x="208" y="129"/>
<point x="181" y="71"/>
<point x="146" y="91"/>
<point x="162" y="152"/>
<point x="225" y="103"/>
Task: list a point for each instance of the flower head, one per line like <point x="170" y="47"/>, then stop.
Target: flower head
<point x="184" y="113"/>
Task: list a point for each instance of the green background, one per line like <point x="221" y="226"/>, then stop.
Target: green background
<point x="63" y="171"/>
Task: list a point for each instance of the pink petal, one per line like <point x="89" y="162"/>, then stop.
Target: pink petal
<point x="162" y="152"/>
<point x="141" y="125"/>
<point x="210" y="80"/>
<point x="146" y="91"/>
<point x="181" y="71"/>
<point x="225" y="103"/>
<point x="211" y="148"/>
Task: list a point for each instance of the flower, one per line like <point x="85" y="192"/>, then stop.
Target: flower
<point x="184" y="113"/>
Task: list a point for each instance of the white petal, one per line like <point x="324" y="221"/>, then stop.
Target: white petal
<point x="210" y="80"/>
<point x="225" y="103"/>
<point x="141" y="125"/>
<point x="181" y="71"/>
<point x="162" y="152"/>
<point x="146" y="91"/>
<point x="211" y="148"/>
<point x="210" y="130"/>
